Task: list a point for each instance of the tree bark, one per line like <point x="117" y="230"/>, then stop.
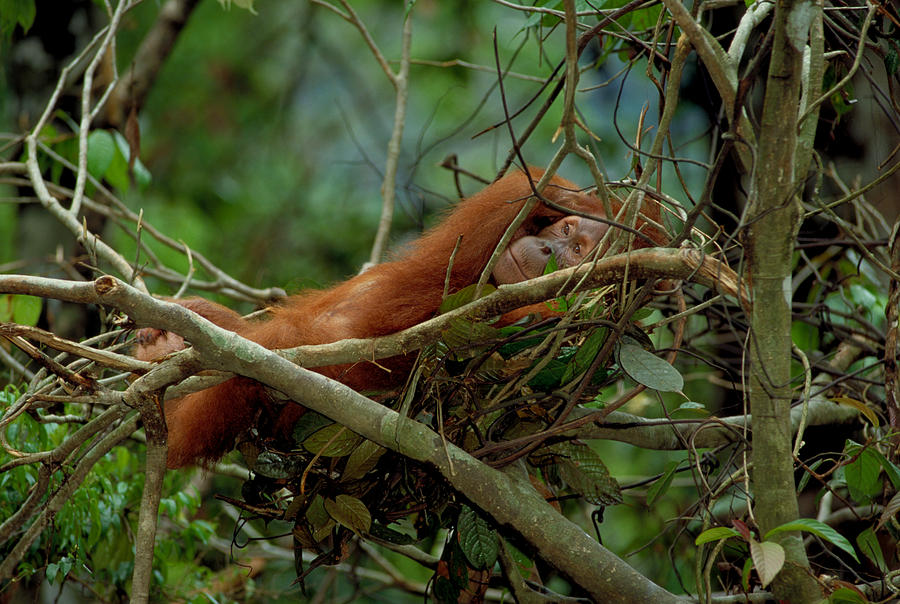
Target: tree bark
<point x="772" y="222"/>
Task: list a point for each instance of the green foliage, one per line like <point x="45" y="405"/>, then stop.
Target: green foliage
<point x="107" y="157"/>
<point x="24" y="310"/>
<point x="767" y="555"/>
<point x="349" y="512"/>
<point x="568" y="365"/>
<point x="892" y="60"/>
<point x="715" y="534"/>
<point x="91" y="536"/>
<point x="13" y="13"/>
<point x="840" y="99"/>
<point x="477" y="539"/>
<point x="583" y="471"/>
<point x="464" y="336"/>
<point x="332" y="441"/>
<point x="463" y="297"/>
<point x="662" y="484"/>
<point x="817" y="528"/>
<point x="846" y="595"/>
<point x="8" y="227"/>
<point x="101" y="150"/>
<point x="309" y="423"/>
<point x="648" y="369"/>
<point x="453" y="574"/>
<point x="363" y="459"/>
<point x="867" y="542"/>
<point x="585" y="354"/>
<point x="862" y="474"/>
<point x="551" y="266"/>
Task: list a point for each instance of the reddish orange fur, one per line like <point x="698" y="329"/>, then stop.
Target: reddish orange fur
<point x="385" y="299"/>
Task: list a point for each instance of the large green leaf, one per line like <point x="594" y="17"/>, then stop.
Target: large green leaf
<point x="867" y="542"/>
<point x="819" y="529"/>
<point x="332" y="441"/>
<point x="646" y="368"/>
<point x="585" y="473"/>
<point x="862" y="474"/>
<point x="661" y="485"/>
<point x="362" y="459"/>
<point x="585" y="355"/>
<point x="350" y="512"/>
<point x="715" y="534"/>
<point x="13" y="12"/>
<point x="477" y="539"/>
<point x="463" y="334"/>
<point x="463" y="297"/>
<point x="100" y="153"/>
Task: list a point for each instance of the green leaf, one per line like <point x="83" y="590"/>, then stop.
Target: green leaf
<point x="845" y="595"/>
<point x="117" y="172"/>
<point x="332" y="441"/>
<point x="819" y="529"/>
<point x="745" y="574"/>
<point x="646" y="17"/>
<point x="661" y="485"/>
<point x="641" y="313"/>
<point x="560" y="304"/>
<point x="768" y="559"/>
<point x="13" y="12"/>
<point x="386" y="533"/>
<point x="715" y="534"/>
<point x="870" y="303"/>
<point x="350" y="512"/>
<point x="550" y="376"/>
<point x="804" y="479"/>
<point x="867" y="542"/>
<point x="463" y="297"/>
<point x="585" y="355"/>
<point x="101" y="149"/>
<point x="363" y="459"/>
<point x="891" y="60"/>
<point x="585" y="473"/>
<point x="6" y="308"/>
<point x="141" y="174"/>
<point x="551" y="266"/>
<point x="805" y="336"/>
<point x="463" y="334"/>
<point x="892" y="471"/>
<point x="648" y="369"/>
<point x="862" y="474"/>
<point x="315" y="513"/>
<point x="308" y="424"/>
<point x="445" y="590"/>
<point x="476" y="538"/>
<point x="26" y="310"/>
<point x="51" y="572"/>
<point x="836" y="303"/>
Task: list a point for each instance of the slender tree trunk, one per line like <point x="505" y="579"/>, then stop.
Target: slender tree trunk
<point x="772" y="221"/>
